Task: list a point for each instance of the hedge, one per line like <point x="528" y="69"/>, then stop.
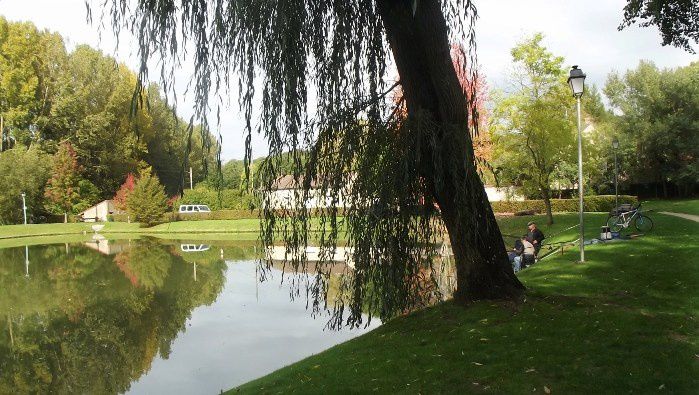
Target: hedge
<point x="215" y="214"/>
<point x="225" y="199"/>
<point x="601" y="203"/>
<point x="228" y="214"/>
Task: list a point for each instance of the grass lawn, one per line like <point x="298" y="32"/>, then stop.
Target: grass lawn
<point x="7" y="231"/>
<point x="688" y="206"/>
<point x="210" y="226"/>
<point x="625" y="321"/>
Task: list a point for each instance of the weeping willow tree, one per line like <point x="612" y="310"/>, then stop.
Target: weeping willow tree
<point x="395" y="178"/>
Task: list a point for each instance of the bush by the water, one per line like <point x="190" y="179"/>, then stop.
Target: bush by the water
<point x="601" y="203"/>
<point x="216" y="214"/>
<point x="147" y="202"/>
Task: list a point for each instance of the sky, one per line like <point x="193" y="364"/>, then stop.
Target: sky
<point x="583" y="32"/>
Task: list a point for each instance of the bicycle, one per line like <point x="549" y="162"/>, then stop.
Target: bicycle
<point x="623" y="220"/>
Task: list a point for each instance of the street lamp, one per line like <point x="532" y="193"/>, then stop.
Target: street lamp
<point x="576" y="80"/>
<point x="24" y="206"/>
<point x="615" y="145"/>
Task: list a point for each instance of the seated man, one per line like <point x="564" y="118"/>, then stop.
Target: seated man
<point x="535" y="236"/>
<point x="526" y="258"/>
<point x="515" y="253"/>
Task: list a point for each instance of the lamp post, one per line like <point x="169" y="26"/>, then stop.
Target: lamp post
<point x="576" y="80"/>
<point x="24" y="206"/>
<point x="26" y="261"/>
<point x="615" y="145"/>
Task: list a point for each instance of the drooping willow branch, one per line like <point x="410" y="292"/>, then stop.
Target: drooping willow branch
<point x="353" y="154"/>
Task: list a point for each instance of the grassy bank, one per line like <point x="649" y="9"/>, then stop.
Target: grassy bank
<point x="212" y="226"/>
<point x="686" y="206"/>
<point x="625" y="321"/>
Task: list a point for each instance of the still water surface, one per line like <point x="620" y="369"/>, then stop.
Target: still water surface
<point x="147" y="317"/>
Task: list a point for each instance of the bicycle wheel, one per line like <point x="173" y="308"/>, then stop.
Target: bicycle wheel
<point x="643" y="223"/>
<point x="615" y="223"/>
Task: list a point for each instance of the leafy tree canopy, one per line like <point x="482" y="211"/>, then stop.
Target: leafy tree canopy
<point x="67" y="191"/>
<point x="351" y="143"/>
<point x="22" y="170"/>
<point x="657" y="126"/>
<point x="677" y="20"/>
<point x="533" y="126"/>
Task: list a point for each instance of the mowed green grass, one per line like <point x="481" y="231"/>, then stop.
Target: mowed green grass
<point x="7" y="231"/>
<point x="623" y="322"/>
<point x="208" y="226"/>
<point x="686" y="206"/>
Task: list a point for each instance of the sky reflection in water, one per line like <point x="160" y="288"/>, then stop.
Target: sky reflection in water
<point x="128" y="316"/>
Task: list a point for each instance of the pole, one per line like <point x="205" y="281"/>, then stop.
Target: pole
<point x="24" y="207"/>
<point x="26" y="261"/>
<point x="580" y="184"/>
<point x="616" y="181"/>
<point x="191" y="184"/>
<point x="2" y="132"/>
<point x="9" y="324"/>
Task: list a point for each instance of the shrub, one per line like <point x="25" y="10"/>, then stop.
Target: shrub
<point x="120" y="217"/>
<point x="601" y="203"/>
<point x="147" y="202"/>
<point x="219" y="214"/>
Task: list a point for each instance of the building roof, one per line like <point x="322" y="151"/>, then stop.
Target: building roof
<point x="288" y="182"/>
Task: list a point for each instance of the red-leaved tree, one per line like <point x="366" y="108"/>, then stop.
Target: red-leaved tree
<point x="124" y="191"/>
<point x="475" y="88"/>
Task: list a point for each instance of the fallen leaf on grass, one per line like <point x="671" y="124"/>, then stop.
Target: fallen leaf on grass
<point x="477" y="363"/>
<point x="547" y="390"/>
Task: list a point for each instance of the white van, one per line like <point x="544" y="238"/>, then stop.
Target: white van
<point x="194" y="247"/>
<point x="194" y="208"/>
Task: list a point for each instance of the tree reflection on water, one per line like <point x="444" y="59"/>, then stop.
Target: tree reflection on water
<point x="86" y="322"/>
<point x="98" y="317"/>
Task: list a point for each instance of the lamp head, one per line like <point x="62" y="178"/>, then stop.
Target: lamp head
<point x="576" y="80"/>
<point x="615" y="143"/>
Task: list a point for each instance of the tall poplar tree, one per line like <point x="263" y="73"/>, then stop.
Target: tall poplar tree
<point x="67" y="191"/>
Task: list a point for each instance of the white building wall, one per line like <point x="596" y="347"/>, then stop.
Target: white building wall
<point x="286" y="199"/>
<point x="496" y="194"/>
<point x="99" y="212"/>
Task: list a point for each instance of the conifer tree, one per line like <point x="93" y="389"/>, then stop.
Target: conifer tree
<point x="67" y="191"/>
<point x="147" y="202"/>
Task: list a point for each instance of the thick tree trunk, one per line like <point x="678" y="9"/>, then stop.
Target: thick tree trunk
<point x="546" y="197"/>
<point x="432" y="91"/>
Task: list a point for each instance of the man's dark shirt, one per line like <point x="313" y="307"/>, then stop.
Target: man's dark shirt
<point x="537" y="235"/>
<point x="519" y="247"/>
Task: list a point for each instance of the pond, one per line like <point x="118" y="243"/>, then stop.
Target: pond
<point x="148" y="316"/>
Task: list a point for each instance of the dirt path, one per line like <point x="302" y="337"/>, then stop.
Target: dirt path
<point x="690" y="217"/>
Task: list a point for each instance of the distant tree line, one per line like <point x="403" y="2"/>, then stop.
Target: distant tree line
<point x="71" y="129"/>
<point x="651" y="112"/>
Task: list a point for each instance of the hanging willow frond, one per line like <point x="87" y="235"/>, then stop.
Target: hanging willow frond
<point x="352" y="151"/>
